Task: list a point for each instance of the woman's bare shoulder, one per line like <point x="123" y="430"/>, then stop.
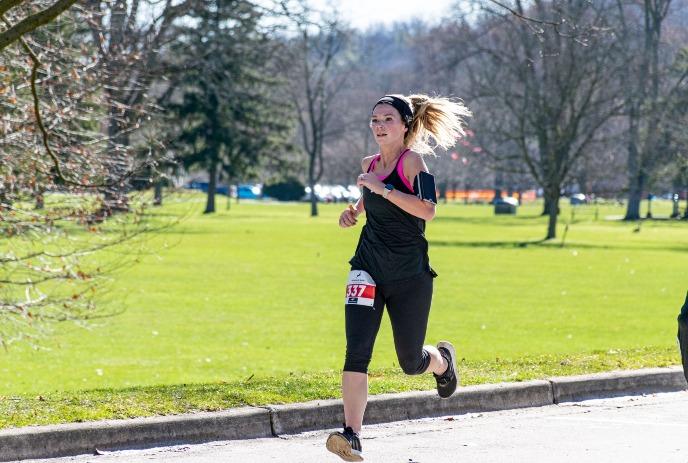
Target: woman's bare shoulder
<point x="414" y="163"/>
<point x="365" y="162"/>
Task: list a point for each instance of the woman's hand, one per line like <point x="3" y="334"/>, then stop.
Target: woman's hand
<point x="370" y="181"/>
<point x="348" y="217"/>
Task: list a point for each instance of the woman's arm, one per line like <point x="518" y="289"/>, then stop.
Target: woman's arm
<point x="412" y="204"/>
<point x="348" y="218"/>
<point x="413" y="164"/>
<point x="359" y="206"/>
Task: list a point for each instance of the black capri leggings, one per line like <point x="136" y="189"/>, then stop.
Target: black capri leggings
<point x="408" y="303"/>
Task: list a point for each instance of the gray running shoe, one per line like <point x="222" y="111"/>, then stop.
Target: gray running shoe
<point x="346" y="445"/>
<point x="447" y="381"/>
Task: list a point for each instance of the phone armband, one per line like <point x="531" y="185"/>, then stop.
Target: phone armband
<point x="424" y="187"/>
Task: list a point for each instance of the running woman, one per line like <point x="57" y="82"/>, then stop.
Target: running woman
<point x="390" y="267"/>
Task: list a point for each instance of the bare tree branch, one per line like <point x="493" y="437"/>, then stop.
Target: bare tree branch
<point x="6" y="5"/>
<point x="523" y="16"/>
<point x="33" y="22"/>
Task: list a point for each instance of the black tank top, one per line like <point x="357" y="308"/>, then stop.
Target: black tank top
<point x="392" y="245"/>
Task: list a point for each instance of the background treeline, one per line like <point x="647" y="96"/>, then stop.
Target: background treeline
<point x="576" y="95"/>
<point x="568" y="96"/>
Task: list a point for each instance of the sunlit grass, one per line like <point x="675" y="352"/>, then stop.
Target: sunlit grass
<point x="245" y="301"/>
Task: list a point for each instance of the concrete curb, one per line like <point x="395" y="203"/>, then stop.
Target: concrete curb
<point x="574" y="388"/>
<point x="324" y="414"/>
<point x="80" y="438"/>
<point x="251" y="422"/>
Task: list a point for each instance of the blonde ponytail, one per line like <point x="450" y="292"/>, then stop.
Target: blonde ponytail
<point x="437" y="122"/>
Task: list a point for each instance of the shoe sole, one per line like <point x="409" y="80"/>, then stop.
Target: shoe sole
<point x="452" y="352"/>
<point x="341" y="447"/>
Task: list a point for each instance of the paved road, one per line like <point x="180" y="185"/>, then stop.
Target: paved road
<point x="652" y="428"/>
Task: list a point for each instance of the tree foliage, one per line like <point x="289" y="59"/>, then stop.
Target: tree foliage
<point x="231" y="115"/>
<point x="545" y="95"/>
<point x="20" y="17"/>
<point x="316" y="63"/>
<point x="55" y="248"/>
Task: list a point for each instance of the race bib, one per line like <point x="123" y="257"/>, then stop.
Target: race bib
<point x="360" y="289"/>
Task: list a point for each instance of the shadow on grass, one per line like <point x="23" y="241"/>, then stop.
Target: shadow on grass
<point x="160" y="213"/>
<point x="554" y="244"/>
<point x="488" y="244"/>
<point x="489" y="220"/>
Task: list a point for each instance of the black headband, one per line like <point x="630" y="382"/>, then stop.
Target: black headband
<point x="399" y="103"/>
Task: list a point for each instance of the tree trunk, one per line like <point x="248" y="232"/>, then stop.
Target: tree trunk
<point x="40" y="200"/>
<point x="314" y="199"/>
<point x="552" y="197"/>
<point x="212" y="185"/>
<point x="635" y="196"/>
<point x="157" y="193"/>
<point x="311" y="183"/>
<point x="497" y="195"/>
<point x="547" y="209"/>
<point x="498" y="182"/>
<point x="675" y="211"/>
<point x="39" y="196"/>
<point x="5" y="195"/>
<point x="114" y="194"/>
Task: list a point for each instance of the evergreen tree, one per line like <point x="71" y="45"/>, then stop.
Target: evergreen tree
<point x="231" y="115"/>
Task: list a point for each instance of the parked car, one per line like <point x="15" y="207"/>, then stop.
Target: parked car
<point x="333" y="193"/>
<point x="203" y="186"/>
<point x="578" y="198"/>
<point x="249" y="191"/>
<point x="506" y="205"/>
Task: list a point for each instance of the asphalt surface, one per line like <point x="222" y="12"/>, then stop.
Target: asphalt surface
<point x="648" y="428"/>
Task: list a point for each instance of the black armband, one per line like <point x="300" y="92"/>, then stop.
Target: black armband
<point x="424" y="187"/>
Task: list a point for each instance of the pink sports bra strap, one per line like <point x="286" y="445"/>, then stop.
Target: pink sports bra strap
<point x="400" y="170"/>
<point x="371" y="166"/>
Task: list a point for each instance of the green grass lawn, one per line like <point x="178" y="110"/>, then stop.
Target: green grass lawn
<point x="245" y="307"/>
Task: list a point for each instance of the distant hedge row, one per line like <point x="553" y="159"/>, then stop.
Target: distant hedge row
<point x="288" y="190"/>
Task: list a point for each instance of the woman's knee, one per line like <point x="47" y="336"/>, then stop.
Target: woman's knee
<point x="415" y="364"/>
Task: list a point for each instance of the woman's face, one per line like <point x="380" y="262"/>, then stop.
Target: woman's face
<point x="386" y="124"/>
